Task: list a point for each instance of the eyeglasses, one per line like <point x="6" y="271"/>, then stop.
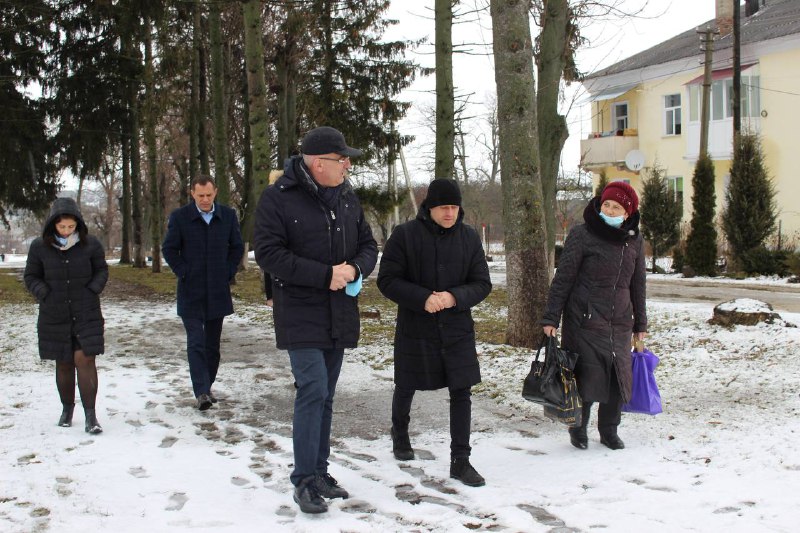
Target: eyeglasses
<point x="341" y="160"/>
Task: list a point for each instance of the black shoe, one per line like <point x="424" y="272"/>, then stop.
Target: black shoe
<point x="65" y="420"/>
<point x="307" y="497"/>
<point x="204" y="402"/>
<point x="328" y="487"/>
<point x="461" y="470"/>
<point x="612" y="441"/>
<point x="578" y="438"/>
<point x="92" y="425"/>
<point x="401" y="446"/>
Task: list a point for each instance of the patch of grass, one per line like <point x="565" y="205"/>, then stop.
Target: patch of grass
<point x="162" y="283"/>
<point x="12" y="288"/>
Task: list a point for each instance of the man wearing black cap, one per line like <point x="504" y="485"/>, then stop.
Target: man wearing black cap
<point x="313" y="240"/>
<point x="435" y="269"/>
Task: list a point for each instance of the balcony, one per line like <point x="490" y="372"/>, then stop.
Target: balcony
<point x="602" y="151"/>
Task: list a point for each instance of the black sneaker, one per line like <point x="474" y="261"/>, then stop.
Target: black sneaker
<point x="307" y="497"/>
<point x="204" y="402"/>
<point x="328" y="487"/>
<point x="401" y="446"/>
<point x="461" y="470"/>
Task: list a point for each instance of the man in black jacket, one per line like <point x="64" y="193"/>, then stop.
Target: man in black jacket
<point x="203" y="247"/>
<point x="435" y="269"/>
<point x="312" y="239"/>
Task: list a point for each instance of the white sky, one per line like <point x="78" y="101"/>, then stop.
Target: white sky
<point x="610" y="41"/>
<point x="723" y="456"/>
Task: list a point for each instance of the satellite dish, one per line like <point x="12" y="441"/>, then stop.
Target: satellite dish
<point x="634" y="160"/>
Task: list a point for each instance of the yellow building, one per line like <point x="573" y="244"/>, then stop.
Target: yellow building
<point x="647" y="108"/>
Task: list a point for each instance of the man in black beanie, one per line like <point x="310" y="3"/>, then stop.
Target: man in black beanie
<point x="434" y="268"/>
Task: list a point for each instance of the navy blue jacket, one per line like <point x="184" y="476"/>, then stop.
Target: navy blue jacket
<point x="205" y="258"/>
<point x="434" y="350"/>
<point x="297" y="239"/>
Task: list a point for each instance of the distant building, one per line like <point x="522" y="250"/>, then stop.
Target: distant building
<point x="646" y="108"/>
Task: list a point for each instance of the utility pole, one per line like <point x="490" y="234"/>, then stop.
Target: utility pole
<point x="737" y="72"/>
<point x="708" y="47"/>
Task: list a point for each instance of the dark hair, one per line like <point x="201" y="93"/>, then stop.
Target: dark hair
<point x="202" y="179"/>
<point x="49" y="235"/>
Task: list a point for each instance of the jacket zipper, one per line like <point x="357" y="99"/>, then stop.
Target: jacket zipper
<point x="611" y="329"/>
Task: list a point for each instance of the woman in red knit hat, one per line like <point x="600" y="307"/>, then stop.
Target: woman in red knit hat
<point x="598" y="293"/>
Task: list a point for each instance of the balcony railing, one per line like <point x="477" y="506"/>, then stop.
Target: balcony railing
<point x="610" y="150"/>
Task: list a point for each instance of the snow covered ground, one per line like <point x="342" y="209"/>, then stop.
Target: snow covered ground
<point x="724" y="455"/>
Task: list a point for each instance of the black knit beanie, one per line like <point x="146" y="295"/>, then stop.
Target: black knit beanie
<point x="443" y="191"/>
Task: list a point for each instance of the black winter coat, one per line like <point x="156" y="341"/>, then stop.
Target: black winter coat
<point x="205" y="258"/>
<point x="297" y="240"/>
<point x="67" y="284"/>
<point x="434" y="350"/>
<point x="599" y="293"/>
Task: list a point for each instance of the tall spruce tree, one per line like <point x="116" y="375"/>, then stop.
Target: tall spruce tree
<point x="601" y="183"/>
<point x="749" y="216"/>
<point x="701" y="245"/>
<point x="660" y="211"/>
<point x="27" y="179"/>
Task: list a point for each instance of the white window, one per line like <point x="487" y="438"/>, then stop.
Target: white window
<point x="675" y="185"/>
<point x="620" y="115"/>
<point x="694" y="102"/>
<point x="672" y="114"/>
<point x="722" y="99"/>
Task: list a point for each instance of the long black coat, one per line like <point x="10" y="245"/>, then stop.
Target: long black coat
<point x="599" y="288"/>
<point x="205" y="258"/>
<point x="297" y="240"/>
<point x="67" y="284"/>
<point x="434" y="350"/>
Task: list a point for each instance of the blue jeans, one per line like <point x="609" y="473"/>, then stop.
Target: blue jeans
<point x="202" y="347"/>
<point x="315" y="373"/>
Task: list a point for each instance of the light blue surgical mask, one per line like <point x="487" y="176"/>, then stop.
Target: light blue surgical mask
<point x="614" y="222"/>
<point x="60" y="240"/>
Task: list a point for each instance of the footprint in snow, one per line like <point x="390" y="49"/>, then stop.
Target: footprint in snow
<point x="167" y="442"/>
<point x="177" y="501"/>
<point x="138" y="471"/>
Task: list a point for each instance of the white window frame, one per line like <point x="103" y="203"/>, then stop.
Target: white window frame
<point x="673" y="187"/>
<point x="615" y="117"/>
<point x="670" y="113"/>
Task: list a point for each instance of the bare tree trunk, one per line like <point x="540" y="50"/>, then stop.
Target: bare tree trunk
<point x="258" y="116"/>
<point x="218" y="99"/>
<point x="523" y="210"/>
<point x="194" y="111"/>
<point x="136" y="177"/>
<point x="552" y="127"/>
<point x="286" y="68"/>
<point x="202" y="111"/>
<point x="156" y="207"/>
<point x="445" y="97"/>
<point x="125" y="204"/>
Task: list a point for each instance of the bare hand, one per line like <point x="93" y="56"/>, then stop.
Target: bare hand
<point x="342" y="275"/>
<point x="640" y="335"/>
<point x="550" y="331"/>
<point x="433" y="304"/>
<point x="269" y="302"/>
<point x="446" y="298"/>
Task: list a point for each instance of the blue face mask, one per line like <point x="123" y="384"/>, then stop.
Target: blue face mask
<point x="614" y="222"/>
<point x="61" y="240"/>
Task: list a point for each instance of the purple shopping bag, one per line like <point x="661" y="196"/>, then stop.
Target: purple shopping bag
<point x="645" y="397"/>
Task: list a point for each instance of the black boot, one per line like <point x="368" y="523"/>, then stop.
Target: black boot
<point x="401" y="446"/>
<point x="461" y="470"/>
<point x="578" y="437"/>
<point x="308" y="498"/>
<point x="92" y="425"/>
<point x="66" y="415"/>
<point x="612" y="441"/>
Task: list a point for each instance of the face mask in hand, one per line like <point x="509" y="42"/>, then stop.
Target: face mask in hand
<point x="614" y="222"/>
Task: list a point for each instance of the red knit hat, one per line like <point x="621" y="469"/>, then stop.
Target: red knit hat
<point x="622" y="193"/>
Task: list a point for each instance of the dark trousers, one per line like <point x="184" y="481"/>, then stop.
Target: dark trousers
<point x="316" y="373"/>
<point x="202" y="347"/>
<point x="609" y="414"/>
<point x="460" y="417"/>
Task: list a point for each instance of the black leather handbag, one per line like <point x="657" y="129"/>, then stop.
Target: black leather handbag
<point x="551" y="382"/>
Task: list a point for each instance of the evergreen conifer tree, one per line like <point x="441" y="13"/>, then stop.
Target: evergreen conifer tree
<point x="701" y="245"/>
<point x="661" y="213"/>
<point x="601" y="183"/>
<point x="749" y="215"/>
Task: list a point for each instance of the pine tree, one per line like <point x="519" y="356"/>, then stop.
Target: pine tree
<point x="701" y="245"/>
<point x="661" y="213"/>
<point x="749" y="216"/>
<point x="601" y="183"/>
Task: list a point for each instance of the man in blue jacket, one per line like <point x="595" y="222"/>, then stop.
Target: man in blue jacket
<point x="203" y="247"/>
<point x="312" y="238"/>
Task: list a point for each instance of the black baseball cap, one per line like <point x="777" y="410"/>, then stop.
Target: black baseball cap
<point x="327" y="140"/>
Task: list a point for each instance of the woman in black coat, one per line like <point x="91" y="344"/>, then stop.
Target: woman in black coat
<point x="599" y="294"/>
<point x="435" y="269"/>
<point x="66" y="272"/>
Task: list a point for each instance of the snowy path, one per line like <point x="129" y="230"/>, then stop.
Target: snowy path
<point x="725" y="455"/>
